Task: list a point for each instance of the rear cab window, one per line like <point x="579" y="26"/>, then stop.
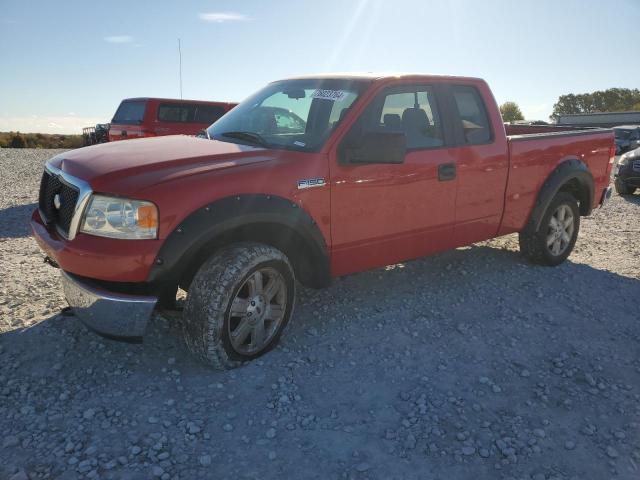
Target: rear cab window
<point x="472" y="114"/>
<point x="130" y="112"/>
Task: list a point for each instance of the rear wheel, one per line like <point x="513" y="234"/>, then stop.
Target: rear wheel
<point x="622" y="188"/>
<point x="554" y="240"/>
<point x="239" y="303"/>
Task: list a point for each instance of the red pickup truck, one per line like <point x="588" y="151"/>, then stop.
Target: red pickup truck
<point x="308" y="179"/>
<point x="154" y="117"/>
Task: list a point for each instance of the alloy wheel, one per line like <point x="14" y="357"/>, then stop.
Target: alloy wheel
<point x="257" y="311"/>
<point x="560" y="231"/>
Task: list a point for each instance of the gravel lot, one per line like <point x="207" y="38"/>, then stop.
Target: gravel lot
<point x="470" y="364"/>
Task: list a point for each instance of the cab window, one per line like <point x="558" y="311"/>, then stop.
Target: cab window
<point x="176" y="112"/>
<point x="208" y="113"/>
<point x="411" y="110"/>
<point x="472" y="114"/>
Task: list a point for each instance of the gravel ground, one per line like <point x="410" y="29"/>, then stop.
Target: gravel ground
<point x="470" y="364"/>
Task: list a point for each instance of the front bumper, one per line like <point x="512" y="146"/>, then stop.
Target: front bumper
<point x="114" y="315"/>
<point x="629" y="173"/>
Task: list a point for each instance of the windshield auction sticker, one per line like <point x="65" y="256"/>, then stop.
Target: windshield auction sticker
<point x="333" y="95"/>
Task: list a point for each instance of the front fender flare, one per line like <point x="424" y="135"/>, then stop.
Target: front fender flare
<point x="202" y="228"/>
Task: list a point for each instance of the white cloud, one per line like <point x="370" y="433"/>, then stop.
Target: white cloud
<point x="219" y="17"/>
<point x="119" y="39"/>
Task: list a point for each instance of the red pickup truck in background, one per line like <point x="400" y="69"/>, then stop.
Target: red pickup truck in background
<point x="308" y="179"/>
<point x="153" y="117"/>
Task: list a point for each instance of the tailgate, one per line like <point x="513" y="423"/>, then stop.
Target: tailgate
<point x="125" y="132"/>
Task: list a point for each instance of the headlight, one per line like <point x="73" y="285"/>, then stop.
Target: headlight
<point x="120" y="218"/>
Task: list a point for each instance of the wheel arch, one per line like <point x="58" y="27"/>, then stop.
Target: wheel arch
<point x="571" y="175"/>
<point x="267" y="219"/>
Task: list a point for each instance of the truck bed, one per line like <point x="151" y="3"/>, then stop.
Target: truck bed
<point x="536" y="150"/>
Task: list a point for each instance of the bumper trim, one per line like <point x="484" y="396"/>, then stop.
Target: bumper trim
<point x="114" y="315"/>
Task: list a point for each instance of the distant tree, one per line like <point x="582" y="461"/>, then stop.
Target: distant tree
<point x="17" y="141"/>
<point x="611" y="100"/>
<point x="511" y="112"/>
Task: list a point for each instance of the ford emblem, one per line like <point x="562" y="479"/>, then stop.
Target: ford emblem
<point x="56" y="201"/>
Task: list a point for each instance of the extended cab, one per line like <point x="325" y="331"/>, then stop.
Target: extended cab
<point x="308" y="179"/>
<point x="155" y="117"/>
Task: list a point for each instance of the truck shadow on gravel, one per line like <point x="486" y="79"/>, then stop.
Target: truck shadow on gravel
<point x="14" y="221"/>
<point x="450" y="365"/>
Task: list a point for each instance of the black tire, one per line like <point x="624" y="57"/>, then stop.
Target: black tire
<point x="622" y="188"/>
<point x="533" y="243"/>
<point x="207" y="318"/>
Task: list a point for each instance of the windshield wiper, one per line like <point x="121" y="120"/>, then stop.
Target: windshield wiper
<point x="250" y="137"/>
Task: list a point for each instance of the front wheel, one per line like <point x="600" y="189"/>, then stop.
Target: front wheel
<point x="239" y="303"/>
<point x="554" y="240"/>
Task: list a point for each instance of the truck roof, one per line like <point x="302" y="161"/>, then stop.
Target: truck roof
<point x="375" y="76"/>
<point x="172" y="100"/>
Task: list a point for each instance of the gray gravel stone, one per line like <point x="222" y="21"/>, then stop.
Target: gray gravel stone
<point x="10" y="441"/>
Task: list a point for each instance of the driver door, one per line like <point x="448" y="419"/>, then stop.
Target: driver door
<point x="386" y="213"/>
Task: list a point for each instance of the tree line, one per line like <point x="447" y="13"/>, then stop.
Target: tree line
<point x="611" y="100"/>
<point x="39" y="140"/>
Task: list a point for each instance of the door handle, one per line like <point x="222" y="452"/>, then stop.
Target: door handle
<point x="446" y="172"/>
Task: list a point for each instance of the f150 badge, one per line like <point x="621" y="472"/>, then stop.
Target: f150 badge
<point x="310" y="183"/>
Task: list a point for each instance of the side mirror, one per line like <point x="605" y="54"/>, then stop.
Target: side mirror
<point x="375" y="147"/>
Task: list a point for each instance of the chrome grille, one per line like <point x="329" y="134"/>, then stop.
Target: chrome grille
<point x="62" y="199"/>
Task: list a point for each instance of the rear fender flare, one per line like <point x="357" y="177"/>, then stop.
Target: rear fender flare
<point x="568" y="172"/>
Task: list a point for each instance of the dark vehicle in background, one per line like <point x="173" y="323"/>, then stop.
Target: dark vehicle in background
<point x="97" y="134"/>
<point x="627" y="173"/>
<point x="627" y="138"/>
<point x="154" y="117"/>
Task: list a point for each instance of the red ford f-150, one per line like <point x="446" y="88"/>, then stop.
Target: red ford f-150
<point x="308" y="179"/>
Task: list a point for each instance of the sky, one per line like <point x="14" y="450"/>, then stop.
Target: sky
<point x="68" y="64"/>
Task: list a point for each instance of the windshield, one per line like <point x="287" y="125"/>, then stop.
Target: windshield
<point x="292" y="114"/>
<point x="130" y="113"/>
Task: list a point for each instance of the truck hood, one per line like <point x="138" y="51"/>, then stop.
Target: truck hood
<point x="131" y="165"/>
